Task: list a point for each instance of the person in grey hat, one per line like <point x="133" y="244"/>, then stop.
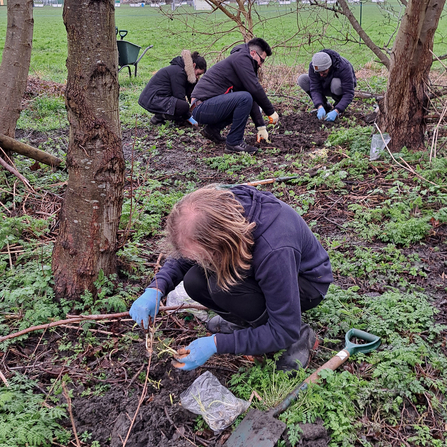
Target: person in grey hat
<point x="329" y="75"/>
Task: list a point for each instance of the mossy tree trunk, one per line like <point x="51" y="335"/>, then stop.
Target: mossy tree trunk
<point x="89" y="219"/>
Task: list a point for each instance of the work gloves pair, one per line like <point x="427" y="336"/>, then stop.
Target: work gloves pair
<point x="331" y="116"/>
<point x="195" y="354"/>
<point x="262" y="130"/>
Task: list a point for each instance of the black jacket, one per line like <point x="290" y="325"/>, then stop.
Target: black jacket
<point x="284" y="250"/>
<point x="238" y="73"/>
<point x="169" y="84"/>
<point x="342" y="69"/>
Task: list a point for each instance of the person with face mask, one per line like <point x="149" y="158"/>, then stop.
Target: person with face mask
<point x="168" y="93"/>
<point x="230" y="92"/>
<point x="329" y="75"/>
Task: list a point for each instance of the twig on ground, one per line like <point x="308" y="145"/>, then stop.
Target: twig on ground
<point x="407" y="167"/>
<point x="79" y="318"/>
<point x="435" y="134"/>
<point x="16" y="173"/>
<point x="67" y="396"/>
<point x="4" y="379"/>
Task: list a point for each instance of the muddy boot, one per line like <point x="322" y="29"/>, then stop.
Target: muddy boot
<point x="213" y="134"/>
<point x="298" y="354"/>
<point x="158" y="119"/>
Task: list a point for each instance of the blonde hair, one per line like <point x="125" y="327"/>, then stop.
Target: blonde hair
<point x="213" y="221"/>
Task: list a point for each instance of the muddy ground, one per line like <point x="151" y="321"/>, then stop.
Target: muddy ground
<point x="108" y="380"/>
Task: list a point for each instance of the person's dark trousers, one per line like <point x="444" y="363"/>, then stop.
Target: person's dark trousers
<point x="181" y="112"/>
<point x="220" y="111"/>
<point x="244" y="303"/>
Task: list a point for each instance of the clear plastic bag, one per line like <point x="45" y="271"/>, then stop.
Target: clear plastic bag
<point x="218" y="405"/>
<point x="378" y="145"/>
<point x="179" y="296"/>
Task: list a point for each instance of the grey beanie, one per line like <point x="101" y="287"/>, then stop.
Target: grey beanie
<point x="321" y="61"/>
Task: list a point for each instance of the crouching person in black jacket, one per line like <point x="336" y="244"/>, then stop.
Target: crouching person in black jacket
<point x="169" y="90"/>
<point x="230" y="92"/>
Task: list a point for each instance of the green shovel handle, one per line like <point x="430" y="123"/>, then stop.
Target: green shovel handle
<point x="353" y="348"/>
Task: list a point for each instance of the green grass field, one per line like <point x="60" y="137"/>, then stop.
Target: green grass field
<point x="170" y="32"/>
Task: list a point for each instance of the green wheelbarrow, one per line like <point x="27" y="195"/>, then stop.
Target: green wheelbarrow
<point x="128" y="52"/>
<point x="261" y="429"/>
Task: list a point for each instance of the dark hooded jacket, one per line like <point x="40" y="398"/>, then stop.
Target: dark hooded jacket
<point x="169" y="84"/>
<point x="238" y="73"/>
<point x="284" y="250"/>
<point x="342" y="69"/>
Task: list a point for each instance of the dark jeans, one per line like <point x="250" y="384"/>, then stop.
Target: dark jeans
<point x="245" y="300"/>
<point x="220" y="111"/>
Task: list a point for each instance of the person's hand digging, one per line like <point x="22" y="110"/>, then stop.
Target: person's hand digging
<point x="146" y="306"/>
<point x="262" y="134"/>
<point x="331" y="116"/>
<point x="195" y="354"/>
<point x="321" y="113"/>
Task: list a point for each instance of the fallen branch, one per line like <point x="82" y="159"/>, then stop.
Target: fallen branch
<point x="28" y="151"/>
<point x="79" y="318"/>
<point x="16" y="173"/>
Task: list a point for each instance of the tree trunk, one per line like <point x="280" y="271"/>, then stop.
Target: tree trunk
<point x="15" y="63"/>
<point x="90" y="215"/>
<point x="402" y="112"/>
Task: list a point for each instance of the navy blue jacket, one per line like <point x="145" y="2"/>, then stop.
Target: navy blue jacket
<point x="284" y="247"/>
<point x="165" y="87"/>
<point x="239" y="73"/>
<point x="341" y="68"/>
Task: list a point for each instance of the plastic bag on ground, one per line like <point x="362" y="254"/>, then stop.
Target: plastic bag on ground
<point x="179" y="296"/>
<point x="378" y="145"/>
<point x="217" y="405"/>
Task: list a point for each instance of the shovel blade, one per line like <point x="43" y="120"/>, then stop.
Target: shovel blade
<point x="257" y="429"/>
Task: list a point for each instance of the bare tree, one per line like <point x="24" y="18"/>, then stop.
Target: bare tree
<point x="242" y="18"/>
<point x="15" y="63"/>
<point x="404" y="107"/>
<point x="90" y="215"/>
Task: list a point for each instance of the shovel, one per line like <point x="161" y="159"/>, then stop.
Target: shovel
<point x="261" y="429"/>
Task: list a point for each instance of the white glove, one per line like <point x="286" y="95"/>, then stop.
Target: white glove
<point x="262" y="134"/>
<point x="273" y="119"/>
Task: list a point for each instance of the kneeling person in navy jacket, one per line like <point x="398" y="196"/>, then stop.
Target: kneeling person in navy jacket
<point x="329" y="75"/>
<point x="253" y="260"/>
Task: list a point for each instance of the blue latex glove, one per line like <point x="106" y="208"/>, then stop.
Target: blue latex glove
<point x="321" y="113"/>
<point x="197" y="353"/>
<point x="193" y="121"/>
<point x="146" y="305"/>
<point x="331" y="116"/>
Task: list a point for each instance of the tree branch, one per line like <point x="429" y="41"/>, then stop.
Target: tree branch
<point x="355" y="24"/>
<point x="28" y="151"/>
<point x="79" y="318"/>
<point x="16" y="173"/>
